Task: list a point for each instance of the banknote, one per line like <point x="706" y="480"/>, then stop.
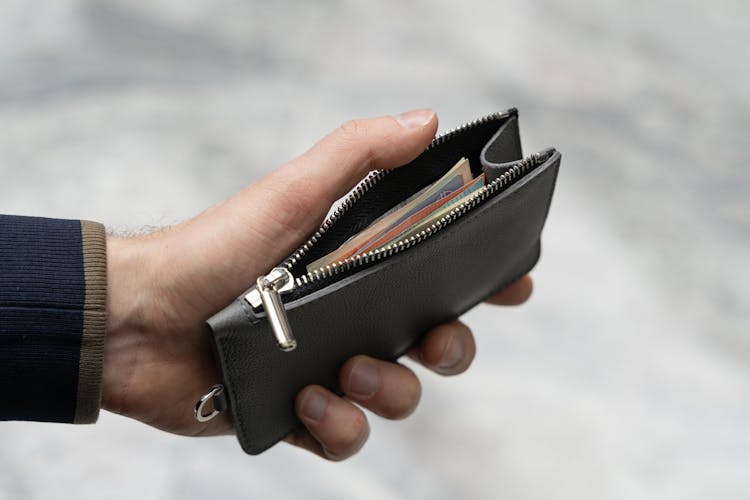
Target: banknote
<point x="431" y="216"/>
<point x="448" y="184"/>
<point x="395" y="233"/>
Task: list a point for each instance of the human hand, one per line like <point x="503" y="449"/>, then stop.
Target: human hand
<point x="163" y="286"/>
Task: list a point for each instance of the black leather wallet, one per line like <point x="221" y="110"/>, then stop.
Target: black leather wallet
<point x="293" y="328"/>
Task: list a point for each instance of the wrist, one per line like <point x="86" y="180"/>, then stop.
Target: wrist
<point x="126" y="324"/>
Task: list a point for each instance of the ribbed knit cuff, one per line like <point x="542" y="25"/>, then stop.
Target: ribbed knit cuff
<point x="53" y="288"/>
<point x="93" y="243"/>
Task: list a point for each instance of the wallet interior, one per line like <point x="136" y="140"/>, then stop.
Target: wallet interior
<point x="491" y="146"/>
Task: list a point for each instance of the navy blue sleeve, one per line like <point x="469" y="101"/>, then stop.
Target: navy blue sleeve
<point x="52" y="318"/>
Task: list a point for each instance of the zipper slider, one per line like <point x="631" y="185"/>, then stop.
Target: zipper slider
<point x="267" y="294"/>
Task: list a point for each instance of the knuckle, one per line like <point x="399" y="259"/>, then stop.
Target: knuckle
<point x="351" y="129"/>
<point x="352" y="135"/>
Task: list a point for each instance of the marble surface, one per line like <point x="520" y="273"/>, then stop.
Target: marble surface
<point x="628" y="373"/>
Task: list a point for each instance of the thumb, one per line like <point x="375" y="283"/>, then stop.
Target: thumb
<point x="233" y="242"/>
<point x="296" y="197"/>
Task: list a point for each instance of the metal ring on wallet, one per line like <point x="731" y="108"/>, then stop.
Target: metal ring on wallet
<point x="215" y="391"/>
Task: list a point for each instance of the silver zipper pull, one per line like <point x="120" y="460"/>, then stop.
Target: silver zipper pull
<point x="267" y="293"/>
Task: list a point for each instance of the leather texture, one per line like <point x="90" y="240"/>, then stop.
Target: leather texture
<point x="382" y="309"/>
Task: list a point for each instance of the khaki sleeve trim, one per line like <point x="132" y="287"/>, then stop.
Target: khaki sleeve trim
<point x="89" y="396"/>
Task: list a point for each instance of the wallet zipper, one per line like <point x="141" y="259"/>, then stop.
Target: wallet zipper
<point x="513" y="173"/>
<point x="376" y="176"/>
<point x="268" y="289"/>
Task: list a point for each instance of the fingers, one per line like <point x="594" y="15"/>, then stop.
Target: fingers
<point x="450" y="348"/>
<point x="388" y="389"/>
<point x="516" y="293"/>
<point x="336" y="429"/>
<point x="447" y="349"/>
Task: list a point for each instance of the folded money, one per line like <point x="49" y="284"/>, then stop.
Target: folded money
<point x="427" y="216"/>
<point x="420" y="210"/>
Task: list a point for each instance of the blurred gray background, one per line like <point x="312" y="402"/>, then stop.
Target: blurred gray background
<point x="627" y="376"/>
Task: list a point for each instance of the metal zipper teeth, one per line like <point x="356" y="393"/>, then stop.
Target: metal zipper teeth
<point x="380" y="253"/>
<point x="372" y="179"/>
<point x="365" y="185"/>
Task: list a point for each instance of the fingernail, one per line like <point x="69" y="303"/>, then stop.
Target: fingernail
<point x="416" y="118"/>
<point x="314" y="405"/>
<point x="364" y="379"/>
<point x="452" y="355"/>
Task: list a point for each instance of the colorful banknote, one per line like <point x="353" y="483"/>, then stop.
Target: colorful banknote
<point x="428" y="216"/>
<point x="439" y="212"/>
<point x="406" y="214"/>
